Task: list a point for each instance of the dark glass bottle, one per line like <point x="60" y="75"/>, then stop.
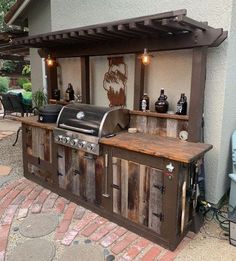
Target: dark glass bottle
<point x="70" y="94"/>
<point x="162" y="104"/>
<point x="144" y="103"/>
<point x="56" y="94"/>
<point x="182" y="105"/>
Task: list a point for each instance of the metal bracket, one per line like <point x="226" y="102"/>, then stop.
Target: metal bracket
<point x="115" y="186"/>
<point x="160" y="216"/>
<point x="77" y="172"/>
<point x="59" y="156"/>
<point x="59" y="174"/>
<point x="39" y="160"/>
<point x="161" y="188"/>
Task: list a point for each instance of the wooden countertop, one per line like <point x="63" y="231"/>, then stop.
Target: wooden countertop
<point x="165" y="147"/>
<point x="33" y="121"/>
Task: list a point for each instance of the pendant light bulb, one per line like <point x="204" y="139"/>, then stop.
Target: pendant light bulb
<point x="49" y="61"/>
<point x="146" y="58"/>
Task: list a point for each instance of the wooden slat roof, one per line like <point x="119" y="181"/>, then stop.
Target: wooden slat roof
<point x="168" y="25"/>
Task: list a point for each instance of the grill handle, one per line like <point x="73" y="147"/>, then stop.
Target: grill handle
<point x="65" y="126"/>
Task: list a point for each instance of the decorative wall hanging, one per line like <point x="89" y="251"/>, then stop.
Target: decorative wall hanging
<point x="115" y="80"/>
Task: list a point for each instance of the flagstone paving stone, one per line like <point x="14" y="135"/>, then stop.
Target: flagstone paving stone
<point x="33" y="250"/>
<point x="38" y="225"/>
<point x="5" y="170"/>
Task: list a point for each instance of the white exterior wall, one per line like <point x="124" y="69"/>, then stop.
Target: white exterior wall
<point x="220" y="83"/>
<point x="39" y="19"/>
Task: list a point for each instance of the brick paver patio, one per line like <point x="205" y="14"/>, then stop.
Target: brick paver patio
<point x="23" y="197"/>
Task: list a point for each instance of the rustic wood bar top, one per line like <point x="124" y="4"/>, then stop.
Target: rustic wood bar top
<point x="165" y="147"/>
<point x="33" y="121"/>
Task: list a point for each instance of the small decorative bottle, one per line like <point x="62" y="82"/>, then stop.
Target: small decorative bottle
<point x="182" y="105"/>
<point x="144" y="103"/>
<point x="162" y="104"/>
<point x="70" y="94"/>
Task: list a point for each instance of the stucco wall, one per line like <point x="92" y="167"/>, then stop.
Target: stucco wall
<point x="39" y="19"/>
<point x="219" y="82"/>
<point x="218" y="14"/>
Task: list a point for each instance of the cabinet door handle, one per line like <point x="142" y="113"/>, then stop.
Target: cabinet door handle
<point x="105" y="194"/>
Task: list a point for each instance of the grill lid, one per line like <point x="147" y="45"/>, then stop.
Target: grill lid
<point x="93" y="120"/>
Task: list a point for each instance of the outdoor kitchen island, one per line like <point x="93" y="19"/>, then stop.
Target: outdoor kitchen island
<point x="141" y="181"/>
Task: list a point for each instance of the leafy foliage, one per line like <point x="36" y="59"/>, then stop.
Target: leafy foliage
<point x="20" y="82"/>
<point x="26" y="70"/>
<point x="4" y="84"/>
<point x="5" y="5"/>
<point x="39" y="98"/>
<point x="27" y="86"/>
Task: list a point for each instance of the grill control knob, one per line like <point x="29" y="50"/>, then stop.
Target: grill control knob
<point x="90" y="147"/>
<point x="82" y="144"/>
<point x="58" y="138"/>
<point x="74" y="142"/>
<point x="65" y="140"/>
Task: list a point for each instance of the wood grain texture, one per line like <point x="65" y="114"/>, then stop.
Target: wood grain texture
<point x="41" y="173"/>
<point x="124" y="187"/>
<point x="160" y="115"/>
<point x="133" y="191"/>
<point x="116" y="168"/>
<point x="33" y="121"/>
<point x="165" y="147"/>
<point x="99" y="170"/>
<point x="171" y="128"/>
<point x="155" y="201"/>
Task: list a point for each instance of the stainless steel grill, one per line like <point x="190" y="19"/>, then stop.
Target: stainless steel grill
<point x="80" y="126"/>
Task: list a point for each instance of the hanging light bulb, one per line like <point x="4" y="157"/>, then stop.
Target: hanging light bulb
<point x="49" y="61"/>
<point x="146" y="57"/>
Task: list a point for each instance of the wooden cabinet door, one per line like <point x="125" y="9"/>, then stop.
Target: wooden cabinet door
<point x="80" y="173"/>
<point x="138" y="192"/>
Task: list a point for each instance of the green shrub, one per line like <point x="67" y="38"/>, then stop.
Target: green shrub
<point x="4" y="84"/>
<point x="27" y="86"/>
<point x="39" y="98"/>
<point x="21" y="81"/>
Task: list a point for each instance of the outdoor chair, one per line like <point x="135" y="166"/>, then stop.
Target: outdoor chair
<point x="13" y="103"/>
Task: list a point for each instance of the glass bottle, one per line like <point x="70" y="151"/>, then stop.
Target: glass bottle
<point x="182" y="105"/>
<point x="144" y="103"/>
<point x="162" y="105"/>
<point x="70" y="94"/>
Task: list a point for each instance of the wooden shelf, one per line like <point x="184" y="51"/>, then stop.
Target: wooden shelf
<point x="61" y="102"/>
<point x="160" y="115"/>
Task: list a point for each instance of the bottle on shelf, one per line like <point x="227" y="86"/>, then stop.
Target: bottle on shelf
<point x="182" y="105"/>
<point x="144" y="103"/>
<point x="162" y="105"/>
<point x="70" y="94"/>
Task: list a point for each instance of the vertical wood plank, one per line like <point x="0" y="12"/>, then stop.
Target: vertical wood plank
<point x="124" y="188"/>
<point x="133" y="191"/>
<point x="171" y="128"/>
<point x="144" y="193"/>
<point x="142" y="124"/>
<point x="116" y="166"/>
<point x="138" y="81"/>
<point x="197" y="93"/>
<point x="72" y="175"/>
<point x="99" y="170"/>
<point x="82" y="178"/>
<point x="90" y="179"/>
<point x="155" y="201"/>
<point x="28" y="135"/>
<point x="152" y="125"/>
<point x="162" y="127"/>
<point x="51" y="72"/>
<point x="61" y="166"/>
<point x="85" y="84"/>
<point x="133" y="121"/>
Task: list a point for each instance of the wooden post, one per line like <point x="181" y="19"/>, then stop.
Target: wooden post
<point x="51" y="72"/>
<point x="197" y="93"/>
<point x="138" y="82"/>
<point x="85" y="80"/>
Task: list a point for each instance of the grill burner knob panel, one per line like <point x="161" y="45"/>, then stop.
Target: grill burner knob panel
<point x="82" y="144"/>
<point x="90" y="147"/>
<point x="58" y="138"/>
<point x="65" y="140"/>
<point x="74" y="142"/>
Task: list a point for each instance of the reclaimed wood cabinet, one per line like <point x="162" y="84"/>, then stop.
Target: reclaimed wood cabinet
<point x="80" y="173"/>
<point x="38" y="151"/>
